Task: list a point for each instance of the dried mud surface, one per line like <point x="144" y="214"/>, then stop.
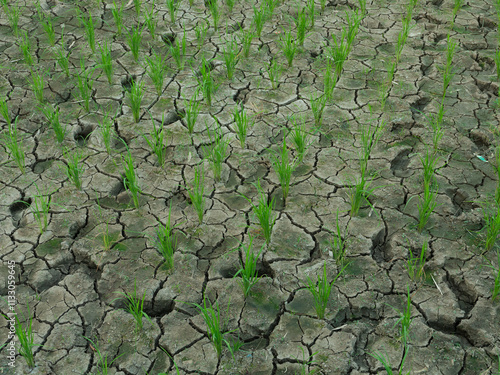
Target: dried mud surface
<point x="70" y="281"/>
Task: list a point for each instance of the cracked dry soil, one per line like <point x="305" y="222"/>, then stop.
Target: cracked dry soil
<point x="70" y="281"/>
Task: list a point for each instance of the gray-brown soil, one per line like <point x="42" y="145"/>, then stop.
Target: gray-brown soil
<point x="70" y="281"/>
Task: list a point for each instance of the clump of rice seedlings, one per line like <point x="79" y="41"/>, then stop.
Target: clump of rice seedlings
<point x="246" y="41"/>
<point x="118" y="16"/>
<point x="196" y="192"/>
<point x="135" y="306"/>
<point x="52" y="115"/>
<point x="259" y="19"/>
<point x="191" y="111"/>
<point x="156" y="142"/>
<point x="137" y="5"/>
<point x="330" y="80"/>
<point x="283" y="168"/>
<point x="215" y="11"/>
<point x="339" y="52"/>
<point x="312" y="12"/>
<point x="289" y="46"/>
<point x="230" y="57"/>
<point x="497" y="63"/>
<point x="4" y="110"/>
<point x="496" y="269"/>
<point x="15" y="146"/>
<point x="173" y="6"/>
<point x="130" y="180"/>
<point x="241" y="119"/>
<point x="135" y="95"/>
<point x="270" y="5"/>
<point x="13" y="16"/>
<point x="339" y="244"/>
<point x="321" y="291"/>
<point x="215" y="325"/>
<point x="40" y="208"/>
<point x="102" y="360"/>
<point x="369" y="136"/>
<point x="74" y="168"/>
<point x="62" y="57"/>
<point x="458" y="4"/>
<point x="218" y="152"/>
<point x="107" y="131"/>
<point x="274" y="71"/>
<point x="248" y="270"/>
<point x="318" y="104"/>
<point x="206" y="82"/>
<point x="301" y="24"/>
<point x="134" y="41"/>
<point x="106" y="61"/>
<point x="37" y="85"/>
<point x="359" y="192"/>
<point x="156" y="71"/>
<point x="426" y="205"/>
<point x="230" y="5"/>
<point x="387" y="364"/>
<point x="151" y="21"/>
<point x="416" y="264"/>
<point x="89" y="28"/>
<point x="491" y="218"/>
<point x="178" y="51"/>
<point x="106" y="238"/>
<point x="25" y="47"/>
<point x="429" y="166"/>
<point x="201" y="34"/>
<point x="49" y="30"/>
<point x="497" y="170"/>
<point x="405" y="319"/>
<point x="362" y="7"/>
<point x="85" y="85"/>
<point x="263" y="212"/>
<point x="447" y="69"/>
<point x="299" y="137"/>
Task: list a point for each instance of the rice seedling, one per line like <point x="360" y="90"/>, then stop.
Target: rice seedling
<point x="106" y="61"/>
<point x="321" y="291"/>
<point x="362" y="7"/>
<point x="359" y="192"/>
<point x="497" y="170"/>
<point x="74" y="168"/>
<point x="151" y="20"/>
<point x="387" y="364"/>
<point x="330" y="80"/>
<point x="230" y="5"/>
<point x="137" y="5"/>
<point x="339" y="52"/>
<point x="40" y="208"/>
<point x="62" y="58"/>
<point x="214" y="10"/>
<point x="215" y="325"/>
<point x="312" y="12"/>
<point x="15" y="146"/>
<point x="339" y="244"/>
<point x="89" y="26"/>
<point x="107" y="131"/>
<point x="135" y="95"/>
<point x="353" y="23"/>
<point x="369" y="136"/>
<point x="135" y="306"/>
<point x="102" y="361"/>
<point x="248" y="270"/>
<point x="429" y="166"/>
<point x="283" y="169"/>
<point x="301" y="24"/>
<point x="447" y="69"/>
<point x="230" y="57"/>
<point x="289" y="46"/>
<point x="191" y="111"/>
<point x="496" y="269"/>
<point x="259" y="18"/>
<point x="130" y="179"/>
<point x="178" y="51"/>
<point x="246" y="42"/>
<point x="4" y="110"/>
<point x="134" y="38"/>
<point x="118" y="16"/>
<point x="497" y="62"/>
<point x="156" y="71"/>
<point x="25" y="47"/>
<point x="318" y="104"/>
<point x="196" y="192"/>
<point x="435" y="121"/>
<point x="156" y="142"/>
<point x="416" y="264"/>
<point x="37" y="85"/>
<point x="218" y="152"/>
<point x="172" y="6"/>
<point x="405" y="320"/>
<point x="263" y="212"/>
<point x="426" y="206"/>
<point x="52" y="115"/>
<point x="456" y="7"/>
<point x="166" y="241"/>
<point x="491" y="218"/>
<point x="201" y="34"/>
<point x="13" y="16"/>
<point x="299" y="137"/>
<point x="85" y="85"/>
<point x="206" y="81"/>
<point x="274" y="71"/>
<point x="106" y="238"/>
<point x="49" y="30"/>
<point x="241" y="119"/>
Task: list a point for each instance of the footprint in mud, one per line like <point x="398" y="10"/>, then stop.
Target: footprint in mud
<point x="400" y="163"/>
<point x="17" y="209"/>
<point x="82" y="135"/>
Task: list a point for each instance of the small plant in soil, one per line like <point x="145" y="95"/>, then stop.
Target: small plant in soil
<point x="25" y="47"/>
<point x="215" y="325"/>
<point x="196" y="192"/>
<point x="289" y="46"/>
<point x="497" y="170"/>
<point x="230" y="5"/>
<point x="156" y="142"/>
<point x="106" y="61"/>
<point x="135" y="306"/>
<point x="263" y="212"/>
<point x="49" y="30"/>
<point x="231" y="57"/>
<point x="416" y="264"/>
<point x="429" y="166"/>
<point x="248" y="270"/>
<point x="242" y="123"/>
<point x="118" y="16"/>
<point x="339" y="244"/>
<point x="312" y="12"/>
<point x="259" y="18"/>
<point x="136" y="94"/>
<point x="206" y="82"/>
<point x="37" y="84"/>
<point x="89" y="26"/>
<point x="246" y="38"/>
<point x="15" y="146"/>
<point x="318" y="103"/>
<point x="102" y="361"/>
<point x="218" y="152"/>
<point x="283" y="168"/>
<point x="107" y="131"/>
<point x="213" y="6"/>
<point x="301" y="24"/>
<point x="329" y="80"/>
<point x="387" y="364"/>
<point x="172" y="6"/>
<point x="201" y="31"/>
<point x="85" y="85"/>
<point x="130" y="179"/>
<point x="106" y="238"/>
<point x="321" y="291"/>
<point x="134" y="38"/>
<point x="299" y="137"/>
<point x="178" y="51"/>
<point x="74" y="168"/>
<point x="156" y="71"/>
<point x="151" y="21"/>
<point x="192" y="109"/>
<point x="52" y="115"/>
<point x="496" y="272"/>
<point x="4" y="110"/>
<point x="359" y="192"/>
<point x="426" y="205"/>
<point x="13" y="16"/>
<point x="62" y="58"/>
<point x="137" y="5"/>
<point x="491" y="218"/>
<point x="274" y="71"/>
<point x="405" y="319"/>
<point x="40" y="208"/>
